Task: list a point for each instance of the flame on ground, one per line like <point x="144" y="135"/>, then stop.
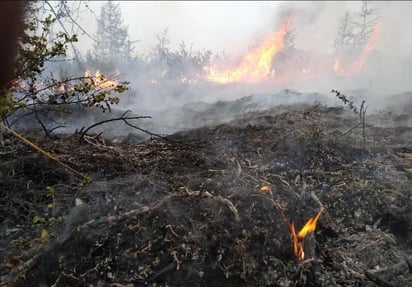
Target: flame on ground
<point x="297" y="238"/>
<point x="101" y="81"/>
<point x="256" y="65"/>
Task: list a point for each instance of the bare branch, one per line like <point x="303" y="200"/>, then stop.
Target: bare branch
<point x="121" y="118"/>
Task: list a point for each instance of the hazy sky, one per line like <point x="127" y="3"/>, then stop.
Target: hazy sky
<point x="214" y="25"/>
<point x="233" y="26"/>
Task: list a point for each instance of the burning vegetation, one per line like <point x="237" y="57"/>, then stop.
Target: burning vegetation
<point x="256" y="65"/>
<point x="263" y="190"/>
<point x="298" y="238"/>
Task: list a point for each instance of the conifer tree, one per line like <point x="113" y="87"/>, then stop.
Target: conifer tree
<point x="113" y="43"/>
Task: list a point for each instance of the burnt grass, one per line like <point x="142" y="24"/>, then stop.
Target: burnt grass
<point x="189" y="211"/>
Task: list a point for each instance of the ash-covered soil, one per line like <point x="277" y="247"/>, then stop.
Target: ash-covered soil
<point x="189" y="210"/>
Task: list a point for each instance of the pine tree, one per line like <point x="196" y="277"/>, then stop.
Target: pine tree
<point x="345" y="37"/>
<point x="112" y="37"/>
<point x="368" y="18"/>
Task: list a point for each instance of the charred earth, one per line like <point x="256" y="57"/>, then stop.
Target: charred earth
<point x="212" y="206"/>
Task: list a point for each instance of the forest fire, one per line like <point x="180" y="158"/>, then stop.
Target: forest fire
<point x="100" y="80"/>
<point x="256" y="65"/>
<point x="367" y="49"/>
<point x="201" y="167"/>
<point x="357" y="66"/>
<point x="298" y="239"/>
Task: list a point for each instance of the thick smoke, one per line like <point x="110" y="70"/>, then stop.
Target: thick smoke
<point x="159" y="91"/>
<point x="386" y="71"/>
<point x="389" y="66"/>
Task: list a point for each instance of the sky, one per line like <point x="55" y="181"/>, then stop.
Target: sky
<point x="214" y="25"/>
<point x="232" y="26"/>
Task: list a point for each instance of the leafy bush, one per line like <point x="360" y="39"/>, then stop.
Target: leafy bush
<point x="33" y="89"/>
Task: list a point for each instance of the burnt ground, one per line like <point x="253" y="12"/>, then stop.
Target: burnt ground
<point x="189" y="211"/>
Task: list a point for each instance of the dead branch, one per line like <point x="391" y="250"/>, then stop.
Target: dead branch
<point x="96" y="144"/>
<point x="315" y="198"/>
<point x="147" y="132"/>
<point x="126" y="121"/>
<point x="45" y="153"/>
<point x="75" y="51"/>
<point x="230" y="205"/>
<point x="121" y="118"/>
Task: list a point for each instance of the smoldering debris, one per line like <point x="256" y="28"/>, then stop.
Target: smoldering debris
<point x="222" y="197"/>
<point x="203" y="112"/>
<point x="192" y="211"/>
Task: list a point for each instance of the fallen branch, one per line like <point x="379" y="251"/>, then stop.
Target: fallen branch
<point x="45" y="153"/>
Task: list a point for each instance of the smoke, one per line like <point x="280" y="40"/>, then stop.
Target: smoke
<point x="158" y="89"/>
<point x="389" y="66"/>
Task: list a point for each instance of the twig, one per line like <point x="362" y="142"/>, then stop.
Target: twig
<point x="351" y="129"/>
<point x="79" y="26"/>
<point x="75" y="51"/>
<point x="230" y="205"/>
<point x="146" y="131"/>
<point x="315" y="198"/>
<point x="361" y="113"/>
<point x="121" y="118"/>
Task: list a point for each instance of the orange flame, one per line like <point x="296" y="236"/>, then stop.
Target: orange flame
<point x="309" y="227"/>
<point x="266" y="188"/>
<point x="101" y="81"/>
<point x="359" y="63"/>
<point x="256" y="65"/>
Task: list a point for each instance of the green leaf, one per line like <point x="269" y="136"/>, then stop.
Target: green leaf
<point x="45" y="236"/>
<point x="51" y="191"/>
<point x="38" y="220"/>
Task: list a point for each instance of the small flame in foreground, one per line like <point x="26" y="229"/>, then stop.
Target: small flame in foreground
<point x="256" y="65"/>
<point x="101" y="81"/>
<point x="309" y="227"/>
